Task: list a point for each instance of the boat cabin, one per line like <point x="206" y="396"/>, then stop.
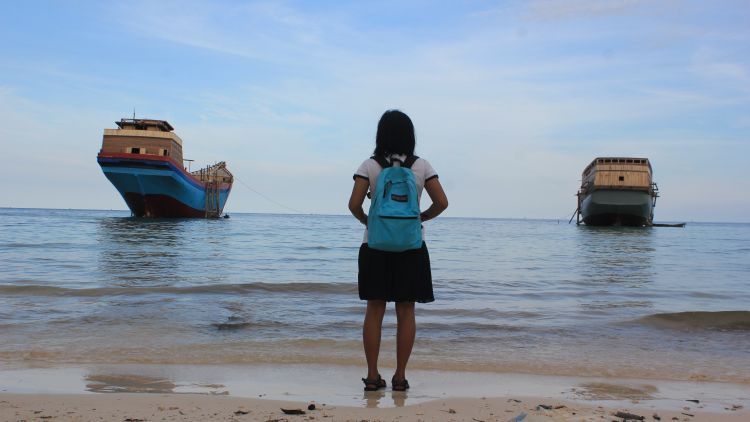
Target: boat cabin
<point x="143" y="137"/>
<point x="617" y="173"/>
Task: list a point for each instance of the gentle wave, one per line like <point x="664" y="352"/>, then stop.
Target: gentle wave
<point x="484" y="313"/>
<point x="616" y="305"/>
<point x="710" y="321"/>
<point x="468" y="327"/>
<point x="476" y="313"/>
<point x="232" y="325"/>
<point x="43" y="245"/>
<point x="295" y="287"/>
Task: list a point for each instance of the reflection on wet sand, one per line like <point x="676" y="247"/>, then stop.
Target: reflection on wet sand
<point x="128" y="384"/>
<point x="399" y="398"/>
<point x="135" y="383"/>
<point x="373" y="399"/>
<point x="606" y="391"/>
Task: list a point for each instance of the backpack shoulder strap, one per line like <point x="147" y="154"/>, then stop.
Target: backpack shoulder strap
<point x="381" y="161"/>
<point x="409" y="161"/>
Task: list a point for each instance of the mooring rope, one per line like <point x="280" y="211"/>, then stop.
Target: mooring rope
<point x="279" y="204"/>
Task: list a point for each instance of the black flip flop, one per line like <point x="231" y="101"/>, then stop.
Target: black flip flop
<point x="374" y="384"/>
<point x="401" y="385"/>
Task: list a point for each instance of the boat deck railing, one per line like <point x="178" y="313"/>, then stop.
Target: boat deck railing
<point x="214" y="176"/>
<point x="214" y="173"/>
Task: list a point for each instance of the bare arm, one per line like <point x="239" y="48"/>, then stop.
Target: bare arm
<point x="358" y="198"/>
<point x="438" y="197"/>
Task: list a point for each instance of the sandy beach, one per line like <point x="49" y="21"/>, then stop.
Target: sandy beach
<point x="259" y="393"/>
<point x="195" y="407"/>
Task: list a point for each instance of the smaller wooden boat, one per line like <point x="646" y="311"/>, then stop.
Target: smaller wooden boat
<point x="617" y="191"/>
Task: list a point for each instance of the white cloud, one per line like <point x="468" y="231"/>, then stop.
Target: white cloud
<point x="549" y="10"/>
<point x="721" y="63"/>
<point x="265" y="31"/>
<point x="508" y="119"/>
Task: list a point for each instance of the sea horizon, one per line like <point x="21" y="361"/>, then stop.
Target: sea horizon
<point x="230" y="213"/>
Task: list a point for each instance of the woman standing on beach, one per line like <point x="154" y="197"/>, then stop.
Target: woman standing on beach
<point x="401" y="277"/>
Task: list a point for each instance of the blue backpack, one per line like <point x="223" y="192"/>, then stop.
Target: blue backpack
<point x="393" y="223"/>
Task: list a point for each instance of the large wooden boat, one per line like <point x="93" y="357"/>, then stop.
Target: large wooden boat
<point x="617" y="191"/>
<point x="143" y="160"/>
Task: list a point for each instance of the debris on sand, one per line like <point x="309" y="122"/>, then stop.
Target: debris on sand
<point x="293" y="411"/>
<point x="629" y="416"/>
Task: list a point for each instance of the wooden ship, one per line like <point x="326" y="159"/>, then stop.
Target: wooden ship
<point x="143" y="160"/>
<point x="617" y="191"/>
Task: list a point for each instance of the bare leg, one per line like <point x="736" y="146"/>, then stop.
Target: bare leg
<point x="371" y="335"/>
<point x="405" y="332"/>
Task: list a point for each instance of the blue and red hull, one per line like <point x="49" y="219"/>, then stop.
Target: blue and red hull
<point x="154" y="186"/>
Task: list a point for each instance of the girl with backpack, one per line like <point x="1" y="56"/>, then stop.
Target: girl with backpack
<point x="394" y="265"/>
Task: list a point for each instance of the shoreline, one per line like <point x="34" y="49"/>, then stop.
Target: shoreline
<point x="135" y="407"/>
<point x="150" y="392"/>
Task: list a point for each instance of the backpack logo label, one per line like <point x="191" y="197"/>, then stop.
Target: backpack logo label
<point x="400" y="198"/>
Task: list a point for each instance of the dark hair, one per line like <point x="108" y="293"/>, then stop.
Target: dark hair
<point x="395" y="134"/>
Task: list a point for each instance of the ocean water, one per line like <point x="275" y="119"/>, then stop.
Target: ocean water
<point x="522" y="296"/>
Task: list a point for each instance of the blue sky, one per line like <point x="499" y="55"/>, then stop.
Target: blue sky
<point x="510" y="99"/>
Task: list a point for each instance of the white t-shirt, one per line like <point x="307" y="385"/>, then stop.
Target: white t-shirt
<point x="370" y="170"/>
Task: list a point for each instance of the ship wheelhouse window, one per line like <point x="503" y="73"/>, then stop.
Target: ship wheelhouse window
<point x="621" y="178"/>
<point x="135" y="150"/>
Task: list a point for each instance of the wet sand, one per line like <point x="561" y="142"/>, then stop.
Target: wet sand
<point x="194" y="407"/>
<point x="149" y="393"/>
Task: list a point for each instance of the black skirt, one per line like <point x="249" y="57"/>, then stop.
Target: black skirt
<point x="395" y="276"/>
